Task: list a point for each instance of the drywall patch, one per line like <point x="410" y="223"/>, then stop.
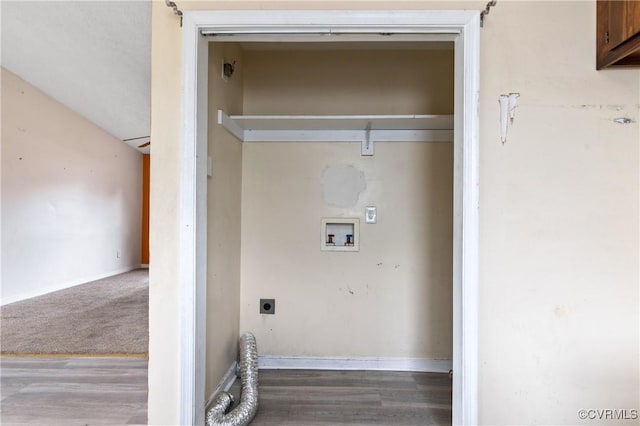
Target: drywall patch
<point x="342" y="185"/>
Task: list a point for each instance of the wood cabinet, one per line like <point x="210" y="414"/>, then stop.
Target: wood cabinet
<point x="618" y="33"/>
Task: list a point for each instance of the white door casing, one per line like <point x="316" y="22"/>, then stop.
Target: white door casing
<point x="462" y="27"/>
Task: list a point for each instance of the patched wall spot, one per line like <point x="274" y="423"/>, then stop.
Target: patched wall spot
<point x="342" y="185"/>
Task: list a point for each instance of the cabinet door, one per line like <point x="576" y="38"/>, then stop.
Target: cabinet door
<point x="617" y="33"/>
<point x="617" y="23"/>
<point x="632" y="18"/>
<point x="624" y="21"/>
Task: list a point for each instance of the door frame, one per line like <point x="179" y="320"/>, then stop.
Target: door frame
<point x="460" y="26"/>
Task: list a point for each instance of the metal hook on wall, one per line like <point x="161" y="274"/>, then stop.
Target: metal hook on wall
<point x="174" y="6"/>
<point x="486" y="11"/>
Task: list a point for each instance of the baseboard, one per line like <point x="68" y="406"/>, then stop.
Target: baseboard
<point x="68" y="284"/>
<point x="224" y="385"/>
<point x="144" y="265"/>
<point x="268" y="362"/>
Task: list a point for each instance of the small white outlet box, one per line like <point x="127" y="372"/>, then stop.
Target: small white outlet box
<point x="371" y="214"/>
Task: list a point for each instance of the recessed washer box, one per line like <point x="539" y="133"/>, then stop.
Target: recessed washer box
<point x="340" y="234"/>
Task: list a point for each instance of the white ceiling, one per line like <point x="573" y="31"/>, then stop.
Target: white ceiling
<point x="92" y="56"/>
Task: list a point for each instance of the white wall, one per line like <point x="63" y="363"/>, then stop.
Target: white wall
<point x="393" y="297"/>
<point x="559" y="325"/>
<point x="71" y="196"/>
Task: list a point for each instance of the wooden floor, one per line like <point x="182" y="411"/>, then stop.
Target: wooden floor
<point x="309" y="398"/>
<point x="73" y="391"/>
<point x="82" y="391"/>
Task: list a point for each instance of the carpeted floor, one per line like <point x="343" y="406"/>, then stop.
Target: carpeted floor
<point x="108" y="316"/>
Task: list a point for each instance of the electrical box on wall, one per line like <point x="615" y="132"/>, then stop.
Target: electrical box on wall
<point x="340" y="234"/>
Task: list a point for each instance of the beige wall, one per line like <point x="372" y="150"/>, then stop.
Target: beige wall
<point x="558" y="325"/>
<point x="395" y="293"/>
<point x="349" y="82"/>
<point x="224" y="201"/>
<point x="390" y="299"/>
<point x="164" y="232"/>
<point x="71" y="196"/>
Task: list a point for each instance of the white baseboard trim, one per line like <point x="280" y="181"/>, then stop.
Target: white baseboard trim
<point x="62" y="286"/>
<point x="144" y="265"/>
<point x="268" y="362"/>
<point x="225" y="384"/>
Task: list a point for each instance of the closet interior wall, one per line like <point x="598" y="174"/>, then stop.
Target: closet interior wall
<point x="393" y="298"/>
<point x="223" y="220"/>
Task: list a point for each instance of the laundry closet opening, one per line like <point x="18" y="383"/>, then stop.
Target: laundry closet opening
<point x="386" y="305"/>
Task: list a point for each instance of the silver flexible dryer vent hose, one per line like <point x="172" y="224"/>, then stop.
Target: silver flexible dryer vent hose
<point x="248" y="407"/>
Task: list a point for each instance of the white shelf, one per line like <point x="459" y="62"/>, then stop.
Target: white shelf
<point x="339" y="128"/>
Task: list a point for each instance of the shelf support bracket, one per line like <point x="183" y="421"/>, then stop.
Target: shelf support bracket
<point x="226" y="121"/>
<point x="367" y="142"/>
